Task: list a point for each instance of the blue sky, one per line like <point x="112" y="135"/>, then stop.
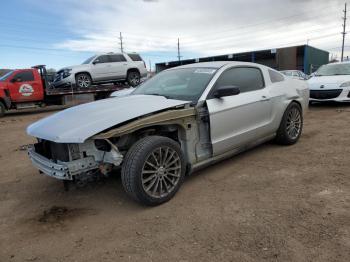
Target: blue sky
<point x="27" y="39"/>
<point x="60" y="33"/>
<point x="30" y="37"/>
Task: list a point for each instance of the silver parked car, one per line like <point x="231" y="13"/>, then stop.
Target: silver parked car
<point x="104" y="68"/>
<point x="178" y="121"/>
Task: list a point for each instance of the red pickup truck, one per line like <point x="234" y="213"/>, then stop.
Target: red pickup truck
<point x="30" y="88"/>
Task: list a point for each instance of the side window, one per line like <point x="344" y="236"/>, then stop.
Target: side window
<point x="117" y="58"/>
<point x="25" y="76"/>
<point x="135" y="57"/>
<point x="246" y="78"/>
<point x="275" y="76"/>
<point x="102" y="59"/>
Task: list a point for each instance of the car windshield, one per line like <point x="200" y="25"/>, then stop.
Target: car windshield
<point x="5" y="76"/>
<point x="333" y="69"/>
<point x="87" y="61"/>
<point x="185" y="84"/>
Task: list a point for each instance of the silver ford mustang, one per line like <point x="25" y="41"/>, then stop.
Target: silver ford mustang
<point x="181" y="120"/>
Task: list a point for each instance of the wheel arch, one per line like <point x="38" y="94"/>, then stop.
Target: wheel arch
<point x="2" y="101"/>
<point x="297" y="102"/>
<point x="177" y="124"/>
<point x="83" y="72"/>
<point x="174" y="131"/>
<point x="133" y="69"/>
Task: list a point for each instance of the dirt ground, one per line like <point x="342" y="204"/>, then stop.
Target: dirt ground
<point x="272" y="203"/>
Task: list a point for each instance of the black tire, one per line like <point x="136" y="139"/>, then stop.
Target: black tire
<point x="284" y="134"/>
<point x="134" y="165"/>
<point x="83" y="80"/>
<point x="133" y="78"/>
<point x="2" y="109"/>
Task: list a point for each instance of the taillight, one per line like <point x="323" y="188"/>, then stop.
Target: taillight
<point x="144" y="64"/>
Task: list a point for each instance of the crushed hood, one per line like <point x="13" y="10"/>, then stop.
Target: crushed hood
<point x="76" y="67"/>
<point x="76" y="124"/>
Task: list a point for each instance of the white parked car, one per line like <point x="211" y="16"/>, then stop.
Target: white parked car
<point x="180" y="120"/>
<point x="331" y="82"/>
<point x="104" y="68"/>
<point x="296" y="74"/>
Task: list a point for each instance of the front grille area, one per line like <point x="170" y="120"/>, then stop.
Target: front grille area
<point x="325" y="94"/>
<point x="58" y="76"/>
<point x="51" y="150"/>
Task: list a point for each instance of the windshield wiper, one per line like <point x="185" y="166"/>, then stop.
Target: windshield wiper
<point x="167" y="97"/>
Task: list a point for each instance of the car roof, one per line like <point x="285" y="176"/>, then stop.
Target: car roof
<point x="115" y="53"/>
<point x="216" y="64"/>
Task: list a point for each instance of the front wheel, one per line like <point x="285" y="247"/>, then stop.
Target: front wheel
<point x="83" y="80"/>
<point x="2" y="109"/>
<point x="133" y="78"/>
<point x="291" y="125"/>
<point x="153" y="170"/>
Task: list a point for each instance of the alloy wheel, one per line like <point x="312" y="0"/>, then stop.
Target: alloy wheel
<point x="293" y="123"/>
<point x="134" y="79"/>
<point x="84" y="81"/>
<point x="161" y="172"/>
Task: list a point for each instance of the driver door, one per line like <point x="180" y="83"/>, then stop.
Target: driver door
<point x="24" y="87"/>
<point x="239" y="119"/>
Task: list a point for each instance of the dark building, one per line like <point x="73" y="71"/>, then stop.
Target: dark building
<point x="304" y="58"/>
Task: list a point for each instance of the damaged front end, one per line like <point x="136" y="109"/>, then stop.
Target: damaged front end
<point x="100" y="153"/>
<point x="66" y="161"/>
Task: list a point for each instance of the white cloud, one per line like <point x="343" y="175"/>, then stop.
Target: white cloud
<point x="205" y="27"/>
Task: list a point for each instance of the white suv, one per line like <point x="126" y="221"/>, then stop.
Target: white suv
<point x="104" y="68"/>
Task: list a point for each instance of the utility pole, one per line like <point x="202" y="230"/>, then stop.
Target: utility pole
<point x="344" y="33"/>
<point x="178" y="49"/>
<point x="121" y="42"/>
<point x="150" y="66"/>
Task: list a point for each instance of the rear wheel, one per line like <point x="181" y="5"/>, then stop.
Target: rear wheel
<point x="83" y="80"/>
<point x="2" y="109"/>
<point x="153" y="170"/>
<point x="291" y="125"/>
<point x="133" y="78"/>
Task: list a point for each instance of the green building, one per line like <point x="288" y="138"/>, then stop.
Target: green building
<point x="304" y="58"/>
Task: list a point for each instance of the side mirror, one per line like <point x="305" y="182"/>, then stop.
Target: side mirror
<point x="96" y="61"/>
<point x="226" y="91"/>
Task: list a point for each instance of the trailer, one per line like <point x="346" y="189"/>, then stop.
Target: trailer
<point x="31" y="88"/>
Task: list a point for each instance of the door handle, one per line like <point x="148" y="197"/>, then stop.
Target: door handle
<point x="264" y="98"/>
<point x="125" y="64"/>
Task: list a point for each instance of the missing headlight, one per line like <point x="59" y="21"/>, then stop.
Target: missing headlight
<point x="102" y="145"/>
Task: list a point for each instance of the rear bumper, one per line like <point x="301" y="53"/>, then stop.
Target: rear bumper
<point x="338" y="95"/>
<point x="61" y="170"/>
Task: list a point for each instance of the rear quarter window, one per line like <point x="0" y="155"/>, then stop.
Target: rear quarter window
<point x="135" y="57"/>
<point x="275" y="76"/>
